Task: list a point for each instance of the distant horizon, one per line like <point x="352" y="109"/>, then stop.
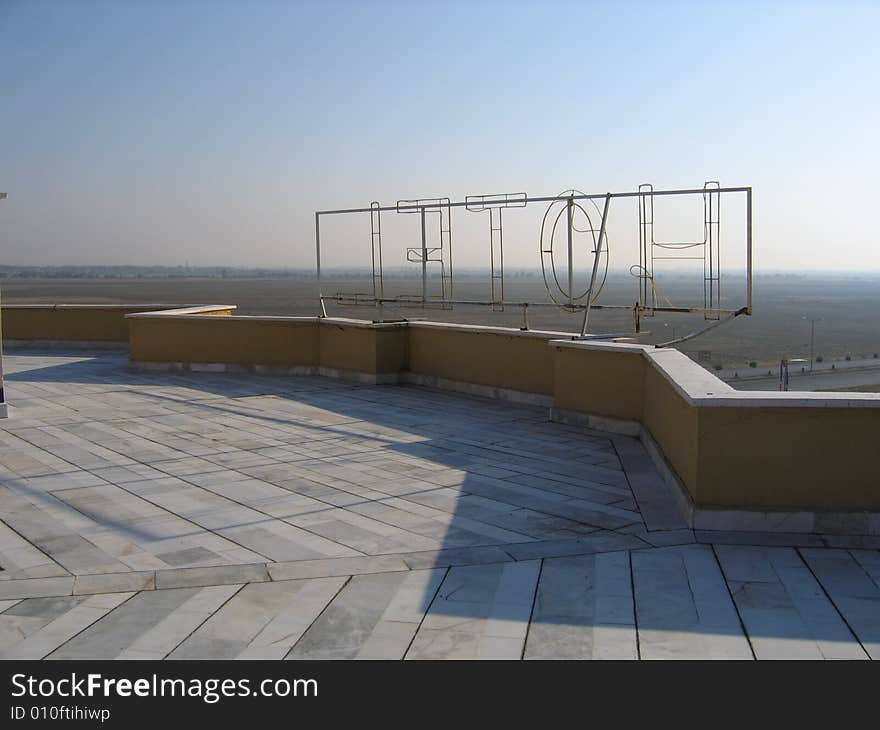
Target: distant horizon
<point x="12" y="270"/>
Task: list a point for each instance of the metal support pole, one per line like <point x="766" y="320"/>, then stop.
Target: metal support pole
<point x="376" y="257"/>
<point x="748" y="250"/>
<point x="783" y="375"/>
<point x="569" y="207"/>
<point x="424" y="258"/>
<point x="598" y="252"/>
<point x="323" y="312"/>
<point x="813" y="340"/>
<point x="496" y="255"/>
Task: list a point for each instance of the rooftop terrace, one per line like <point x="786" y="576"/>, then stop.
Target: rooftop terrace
<point x="209" y="515"/>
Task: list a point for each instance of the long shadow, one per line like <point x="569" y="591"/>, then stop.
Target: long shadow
<point x="485" y="442"/>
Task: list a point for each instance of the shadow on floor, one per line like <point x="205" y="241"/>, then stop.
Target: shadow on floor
<point x="558" y="488"/>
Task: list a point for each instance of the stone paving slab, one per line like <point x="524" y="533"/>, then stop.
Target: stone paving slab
<point x="261" y="621"/>
<point x="373" y="617"/>
<point x="584" y="609"/>
<point x="336" y="567"/>
<point x="172" y="628"/>
<point x="37" y="587"/>
<point x="783" y="607"/>
<point x="205" y="515"/>
<point x="62" y="629"/>
<point x="479" y="612"/>
<point x="853" y="590"/>
<point x="683" y="606"/>
<point x="221" y="575"/>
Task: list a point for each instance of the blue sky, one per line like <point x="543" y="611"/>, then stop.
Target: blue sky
<point x="162" y="132"/>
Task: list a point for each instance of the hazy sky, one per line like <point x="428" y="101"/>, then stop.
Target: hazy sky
<point x="135" y="132"/>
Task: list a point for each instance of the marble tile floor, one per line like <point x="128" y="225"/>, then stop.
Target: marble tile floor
<point x="178" y="516"/>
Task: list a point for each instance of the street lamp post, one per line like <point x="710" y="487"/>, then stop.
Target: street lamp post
<point x="812" y="336"/>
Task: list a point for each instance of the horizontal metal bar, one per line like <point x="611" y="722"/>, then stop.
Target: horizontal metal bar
<point x="362" y="300"/>
<point x="354" y="299"/>
<point x="541" y="199"/>
<point x="480" y="203"/>
<point x="687" y="310"/>
<point x="414" y="205"/>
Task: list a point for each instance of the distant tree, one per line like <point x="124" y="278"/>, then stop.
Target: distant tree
<point x="753" y="364"/>
<point x="819" y="358"/>
<point x="848" y="358"/>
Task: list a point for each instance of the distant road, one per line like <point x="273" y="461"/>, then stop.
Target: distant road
<point x="747" y="372"/>
<point x="844" y="375"/>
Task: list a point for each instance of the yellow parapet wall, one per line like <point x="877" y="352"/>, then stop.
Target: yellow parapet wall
<point x="731" y="449"/>
<point x="459" y="353"/>
<point x="610" y="382"/>
<point x="494" y="357"/>
<point x="727" y="449"/>
<point x="789" y="457"/>
<point x="75" y="322"/>
<point x="362" y="347"/>
<point x="282" y="343"/>
<point x="672" y="422"/>
<point x="181" y="336"/>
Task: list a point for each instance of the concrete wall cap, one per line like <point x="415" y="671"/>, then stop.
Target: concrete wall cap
<point x="601" y="345"/>
<point x="204" y="312"/>
<point x="98" y="307"/>
<point x="362" y="323"/>
<point x="789" y="399"/>
<point x="701" y="388"/>
<point x="478" y="328"/>
<point x="183" y="311"/>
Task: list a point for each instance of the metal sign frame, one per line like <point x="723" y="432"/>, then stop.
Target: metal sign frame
<point x="647" y="304"/>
